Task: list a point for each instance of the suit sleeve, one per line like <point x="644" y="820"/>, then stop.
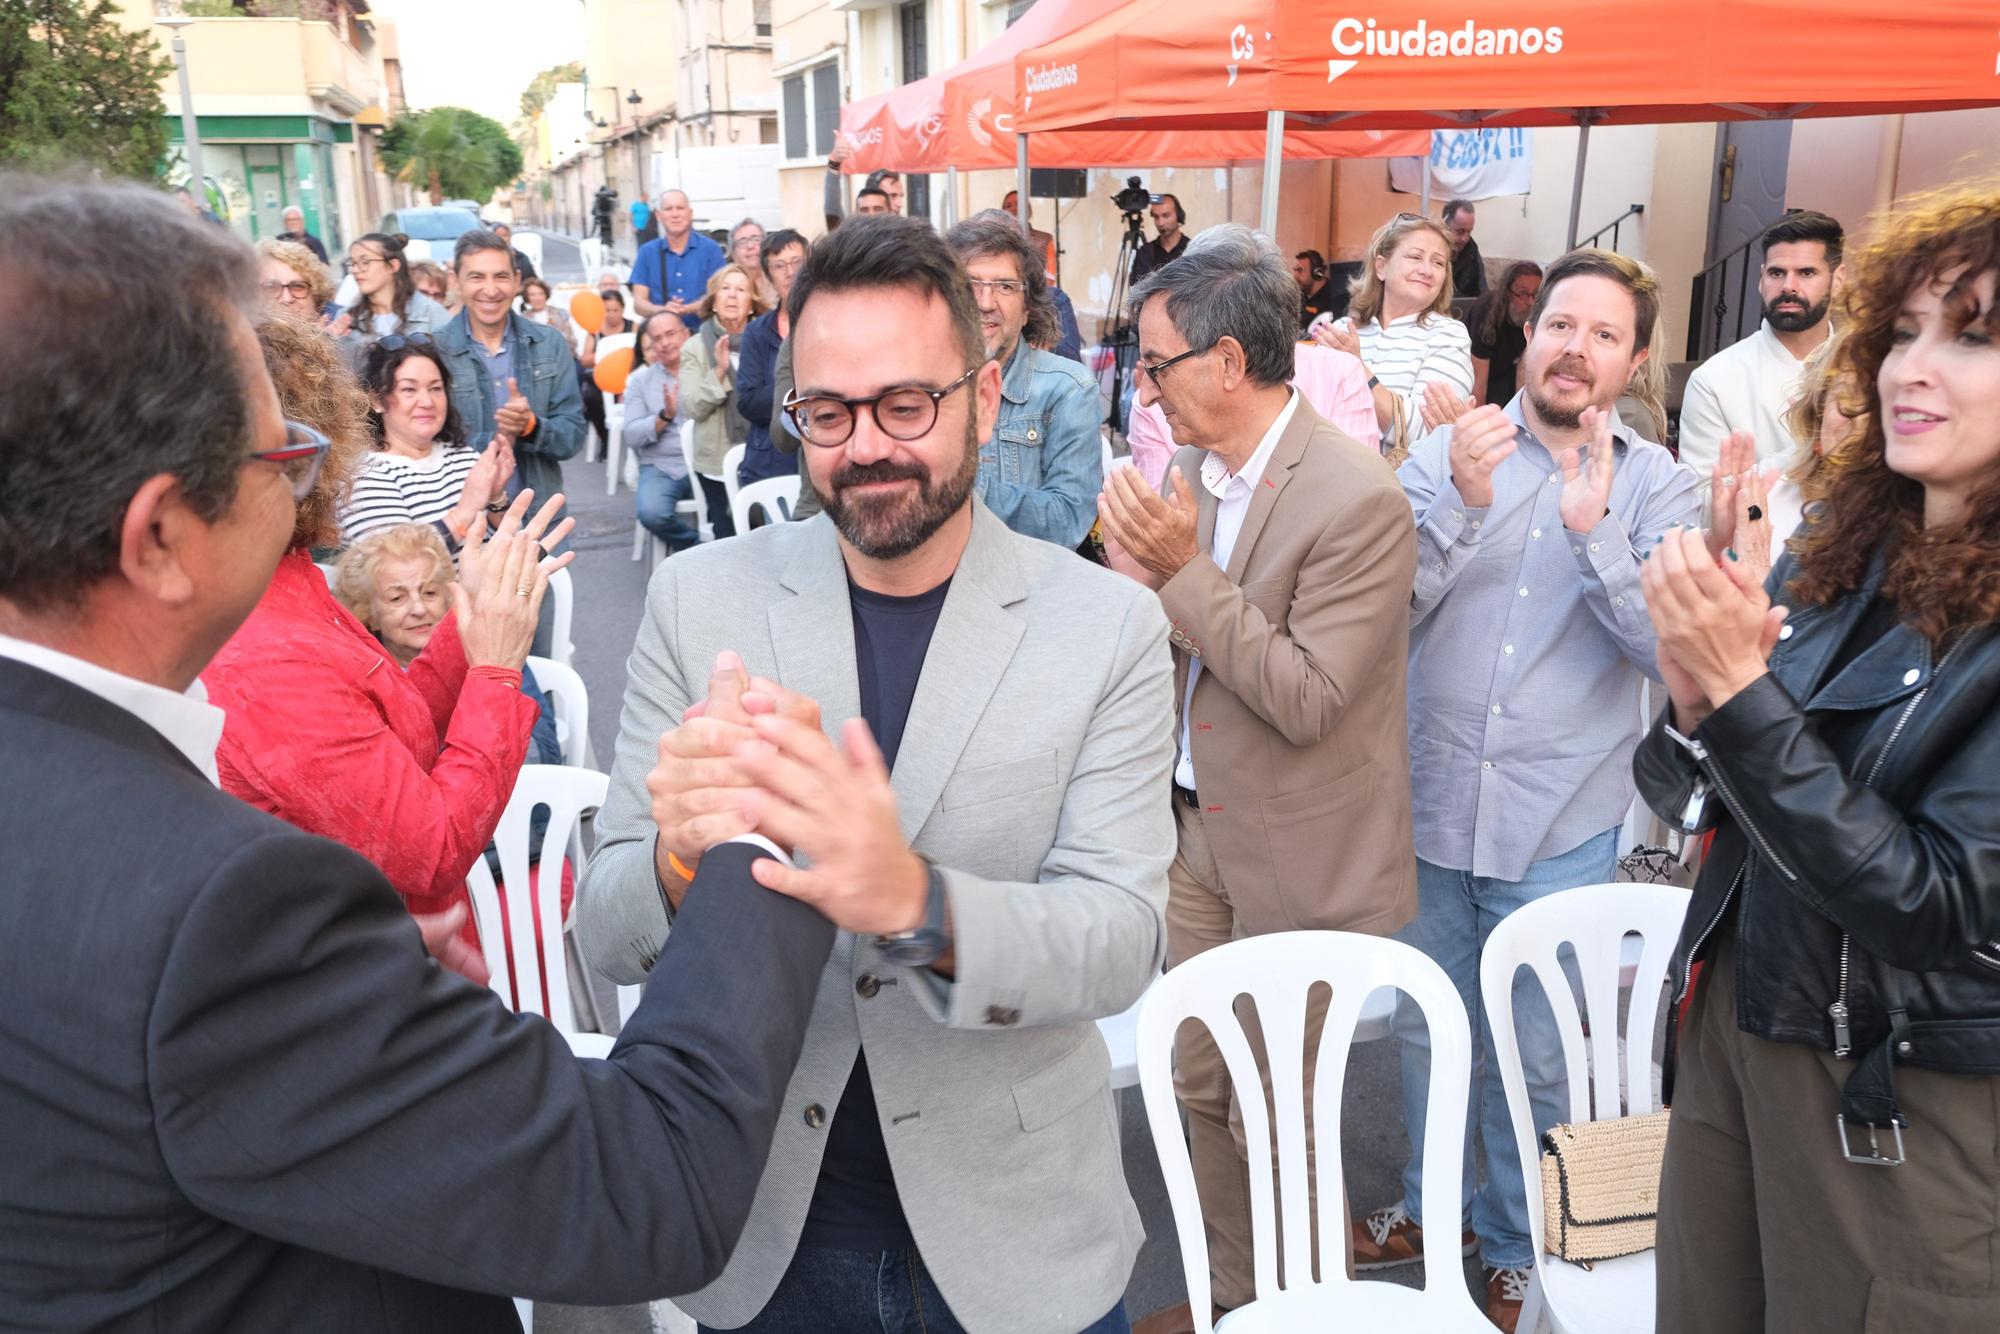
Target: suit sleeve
<point x="1088" y="937"/>
<point x="317" y="1079"/>
<point x="1349" y="615"/>
<point x="621" y="914"/>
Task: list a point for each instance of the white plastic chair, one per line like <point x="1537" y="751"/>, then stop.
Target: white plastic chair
<point x="1277" y="971"/>
<point x="567" y="793"/>
<point x="732" y="462"/>
<point x="1612" y="1296"/>
<point x="565" y="689"/>
<point x="614" y="444"/>
<point x="330" y="571"/>
<point x="776" y="496"/>
<point x="562" y="591"/>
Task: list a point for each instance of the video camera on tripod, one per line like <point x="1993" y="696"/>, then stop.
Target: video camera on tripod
<point x="1133" y="201"/>
<point x="1118" y="333"/>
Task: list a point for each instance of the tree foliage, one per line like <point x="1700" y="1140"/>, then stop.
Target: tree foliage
<point x="76" y="86"/>
<point x="451" y="152"/>
<point x="543" y="86"/>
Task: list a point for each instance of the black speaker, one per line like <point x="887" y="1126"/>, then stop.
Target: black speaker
<point x="1055" y="183"/>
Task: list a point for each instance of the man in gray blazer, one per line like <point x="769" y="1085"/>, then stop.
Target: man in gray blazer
<point x="949" y="1154"/>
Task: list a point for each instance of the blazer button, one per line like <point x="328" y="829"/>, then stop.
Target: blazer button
<point x="867" y="985"/>
<point x="815" y="1115"/>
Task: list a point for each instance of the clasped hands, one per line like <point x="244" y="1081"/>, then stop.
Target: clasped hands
<point x="751" y="758"/>
<point x="1146" y="537"/>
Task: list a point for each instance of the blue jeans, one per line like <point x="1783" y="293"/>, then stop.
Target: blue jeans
<point x="826" y="1291"/>
<point x="1456" y="912"/>
<point x="658" y="494"/>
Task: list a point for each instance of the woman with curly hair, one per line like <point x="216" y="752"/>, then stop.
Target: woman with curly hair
<point x="409" y="768"/>
<point x="293" y="280"/>
<point x="1840" y="734"/>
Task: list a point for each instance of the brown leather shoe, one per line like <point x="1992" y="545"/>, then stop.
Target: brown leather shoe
<point x="1173" y="1320"/>
<point x="1388" y="1237"/>
<point x="1506" y="1289"/>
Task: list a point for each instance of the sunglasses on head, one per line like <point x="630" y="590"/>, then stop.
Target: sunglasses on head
<point x="397" y="342"/>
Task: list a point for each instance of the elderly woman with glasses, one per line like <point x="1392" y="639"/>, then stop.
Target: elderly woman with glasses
<point x="411" y="768"/>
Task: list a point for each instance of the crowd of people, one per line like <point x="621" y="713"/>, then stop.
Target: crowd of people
<point x="907" y="798"/>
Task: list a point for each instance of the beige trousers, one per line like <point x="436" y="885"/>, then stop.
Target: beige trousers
<point x="1199" y="917"/>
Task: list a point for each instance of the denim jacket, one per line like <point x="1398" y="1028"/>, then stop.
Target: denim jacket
<point x="1041" y="471"/>
<point x="545" y="371"/>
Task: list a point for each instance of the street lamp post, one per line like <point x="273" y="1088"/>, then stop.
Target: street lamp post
<point x="170" y="17"/>
<point x="632" y="99"/>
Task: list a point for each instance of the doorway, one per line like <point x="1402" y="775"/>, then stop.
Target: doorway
<point x="1752" y="158"/>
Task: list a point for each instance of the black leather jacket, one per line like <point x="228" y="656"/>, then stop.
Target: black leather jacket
<point x="1864" y="875"/>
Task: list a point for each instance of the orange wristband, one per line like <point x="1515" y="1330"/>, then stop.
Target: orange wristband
<point x="679" y="868"/>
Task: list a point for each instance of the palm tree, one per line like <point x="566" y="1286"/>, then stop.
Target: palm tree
<point x="451" y="151"/>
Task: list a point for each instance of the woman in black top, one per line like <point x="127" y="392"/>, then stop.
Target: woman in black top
<point x="1833" y="1162"/>
<point x="1498" y="321"/>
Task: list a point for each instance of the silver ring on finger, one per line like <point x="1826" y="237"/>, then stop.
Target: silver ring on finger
<point x="1729" y="479"/>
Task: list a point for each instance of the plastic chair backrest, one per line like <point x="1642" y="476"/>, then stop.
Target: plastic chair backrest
<point x="565" y="689"/>
<point x="1106" y="460"/>
<point x="1276" y="972"/>
<point x="330" y="571"/>
<point x="732" y="460"/>
<point x="563" y="591"/>
<point x="567" y="793"/>
<point x="697" y="495"/>
<point x="776" y="496"/>
<point x="1594" y="922"/>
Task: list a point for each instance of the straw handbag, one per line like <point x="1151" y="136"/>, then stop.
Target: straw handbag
<point x="1601" y="1186"/>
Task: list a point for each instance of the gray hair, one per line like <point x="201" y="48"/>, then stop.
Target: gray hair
<point x="1235" y="282"/>
<point x="992" y="232"/>
<point x="91" y="408"/>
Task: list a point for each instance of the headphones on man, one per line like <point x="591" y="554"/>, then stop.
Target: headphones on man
<point x="1315" y="263"/>
<point x="1180" y="214"/>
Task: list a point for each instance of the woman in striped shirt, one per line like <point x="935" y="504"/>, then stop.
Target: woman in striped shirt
<point x="422" y="471"/>
<point x="1400" y="325"/>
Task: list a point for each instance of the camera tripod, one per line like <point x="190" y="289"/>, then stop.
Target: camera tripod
<point x="1120" y="334"/>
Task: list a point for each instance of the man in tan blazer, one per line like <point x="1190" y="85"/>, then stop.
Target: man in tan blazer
<point x="1284" y="554"/>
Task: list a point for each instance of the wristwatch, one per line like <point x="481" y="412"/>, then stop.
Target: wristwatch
<point x="926" y="945"/>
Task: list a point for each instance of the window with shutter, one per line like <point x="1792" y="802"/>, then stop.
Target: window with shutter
<point x="826" y="108"/>
<point x="797" y="143"/>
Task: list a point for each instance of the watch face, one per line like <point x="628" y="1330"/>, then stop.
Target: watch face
<point x="915" y="950"/>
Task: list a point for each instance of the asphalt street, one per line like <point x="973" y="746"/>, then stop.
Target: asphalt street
<point x="610" y="598"/>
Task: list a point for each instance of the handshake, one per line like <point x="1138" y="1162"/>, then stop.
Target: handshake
<point x="751" y="758"/>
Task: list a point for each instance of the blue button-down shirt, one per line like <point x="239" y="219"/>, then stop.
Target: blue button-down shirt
<point x="1527" y="645"/>
<point x="1041" y="471"/>
<point x="668" y="276"/>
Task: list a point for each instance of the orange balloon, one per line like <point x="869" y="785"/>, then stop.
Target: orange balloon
<point x="612" y="368"/>
<point x="587" y="309"/>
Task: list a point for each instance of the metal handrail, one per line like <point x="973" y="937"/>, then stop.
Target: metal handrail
<point x="1707" y="337"/>
<point x="1612" y="226"/>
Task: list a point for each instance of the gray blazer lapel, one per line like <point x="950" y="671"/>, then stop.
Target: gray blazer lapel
<point x="1285" y="456"/>
<point x="812" y="633"/>
<point x="969" y="653"/>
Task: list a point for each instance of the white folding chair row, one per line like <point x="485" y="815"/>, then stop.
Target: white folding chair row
<point x="1605" y="926"/>
<point x="1622" y="937"/>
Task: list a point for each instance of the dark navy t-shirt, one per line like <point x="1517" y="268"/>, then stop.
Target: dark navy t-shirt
<point x="854" y="1205"/>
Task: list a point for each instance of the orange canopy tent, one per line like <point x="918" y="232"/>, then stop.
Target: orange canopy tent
<point x="1404" y="64"/>
<point x="962" y="119"/>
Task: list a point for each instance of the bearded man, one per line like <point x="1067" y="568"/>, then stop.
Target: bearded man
<point x="950" y="1158"/>
<point x="1529" y="645"/>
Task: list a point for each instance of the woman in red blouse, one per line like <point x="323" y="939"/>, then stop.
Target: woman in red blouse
<point x="410" y="768"/>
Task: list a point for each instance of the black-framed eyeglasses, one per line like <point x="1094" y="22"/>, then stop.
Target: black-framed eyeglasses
<point x="397" y="342"/>
<point x="300" y="458"/>
<point x="1154" y="369"/>
<point x="905" y="413"/>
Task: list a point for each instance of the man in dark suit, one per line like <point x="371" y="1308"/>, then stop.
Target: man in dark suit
<point x="237" y="1093"/>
